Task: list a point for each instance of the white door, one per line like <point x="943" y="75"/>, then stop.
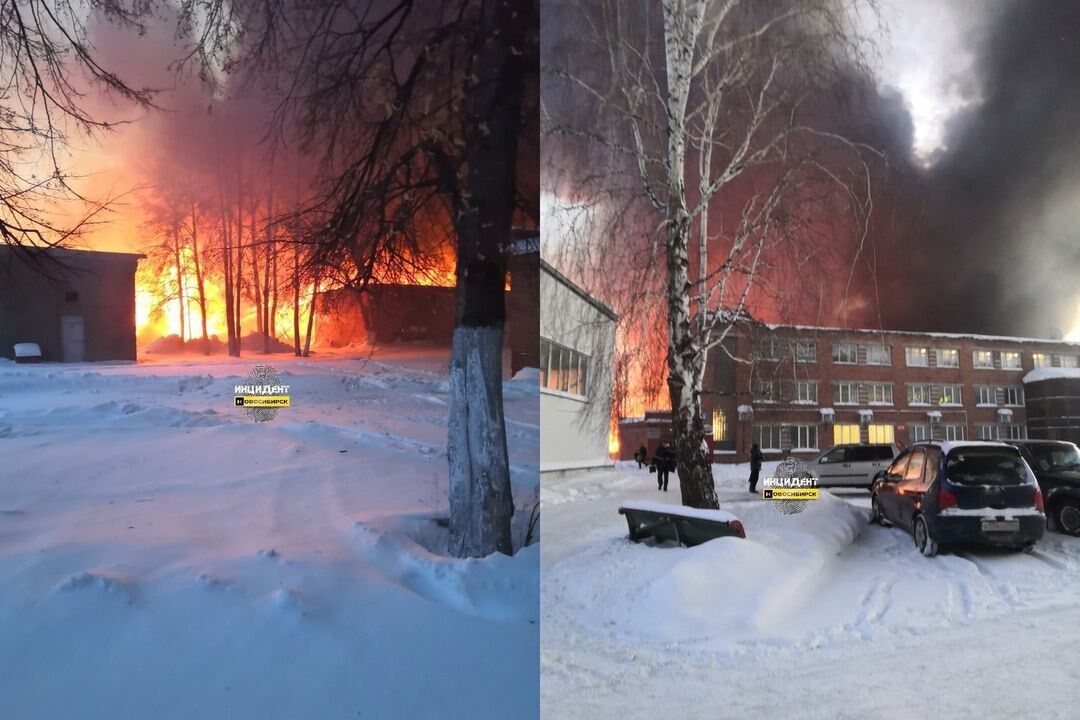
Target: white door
<point x="72" y="334"/>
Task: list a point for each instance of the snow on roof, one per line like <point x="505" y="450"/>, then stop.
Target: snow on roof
<point x="955" y="336"/>
<point x="744" y="409"/>
<point x="866" y="413"/>
<point x="826" y="412"/>
<point x="934" y="414"/>
<point x="1005" y="411"/>
<point x="948" y="446"/>
<point x="648" y="506"/>
<point x="1052" y="373"/>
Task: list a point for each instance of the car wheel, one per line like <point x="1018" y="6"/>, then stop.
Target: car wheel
<point x="1067" y="517"/>
<point x="923" y="541"/>
<point x="876" y="517"/>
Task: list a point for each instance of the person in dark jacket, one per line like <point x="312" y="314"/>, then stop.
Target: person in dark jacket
<point x="664" y="460"/>
<point x="641" y="455"/>
<point x="755" y="466"/>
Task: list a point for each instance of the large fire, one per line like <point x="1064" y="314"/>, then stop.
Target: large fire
<point x="167" y="299"/>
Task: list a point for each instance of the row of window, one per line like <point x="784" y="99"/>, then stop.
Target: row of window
<point x="805" y="392"/>
<point x="846" y="353"/>
<point x="805" y="436"/>
<point x="563" y="369"/>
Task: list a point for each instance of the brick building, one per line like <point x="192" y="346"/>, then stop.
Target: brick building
<point x="804" y="388"/>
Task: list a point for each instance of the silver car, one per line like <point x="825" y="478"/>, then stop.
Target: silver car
<point x="852" y="465"/>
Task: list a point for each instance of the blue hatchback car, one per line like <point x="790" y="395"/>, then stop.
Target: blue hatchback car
<point x="961" y="493"/>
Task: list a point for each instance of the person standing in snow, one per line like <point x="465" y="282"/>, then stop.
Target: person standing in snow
<point x="755" y="466"/>
<point x="664" y="460"/>
<point x="640" y="455"/>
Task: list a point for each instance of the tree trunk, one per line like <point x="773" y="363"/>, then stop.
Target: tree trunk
<point x="481" y="504"/>
<point x="227" y="261"/>
<point x="296" y="300"/>
<point x="178" y="261"/>
<point x="200" y="277"/>
<point x="311" y="316"/>
<point x="692" y="461"/>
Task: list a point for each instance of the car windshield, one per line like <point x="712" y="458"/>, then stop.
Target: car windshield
<point x="985" y="466"/>
<point x="1063" y="456"/>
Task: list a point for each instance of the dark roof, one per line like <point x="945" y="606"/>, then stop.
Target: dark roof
<point x="603" y="308"/>
<point x="61" y="252"/>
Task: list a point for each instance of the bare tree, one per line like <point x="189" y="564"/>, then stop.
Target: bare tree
<point x="709" y="106"/>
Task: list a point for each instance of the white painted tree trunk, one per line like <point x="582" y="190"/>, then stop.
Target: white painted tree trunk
<point x="481" y="504"/>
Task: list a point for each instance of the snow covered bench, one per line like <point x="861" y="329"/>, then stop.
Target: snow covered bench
<point x="684" y="525"/>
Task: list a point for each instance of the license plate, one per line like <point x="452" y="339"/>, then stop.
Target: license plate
<point x="1000" y="525"/>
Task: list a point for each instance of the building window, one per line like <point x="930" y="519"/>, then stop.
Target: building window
<point x="954" y="432"/>
<point x="1010" y="361"/>
<point x="806" y="392"/>
<point x="846" y="393"/>
<point x="918" y="394"/>
<point x="846" y="434"/>
<point x="845" y="353"/>
<point x="917" y="356"/>
<point x="880" y="433"/>
<point x="880" y="394"/>
<point x="768" y="349"/>
<point x="920" y="433"/>
<point x="1014" y="432"/>
<point x="1041" y="360"/>
<point x="950" y="395"/>
<point x="985" y="395"/>
<point x="767" y="437"/>
<point x="765" y="391"/>
<point x="1014" y="395"/>
<point x="878" y="354"/>
<point x="982" y="359"/>
<point x="987" y="432"/>
<point x="563" y="369"/>
<point x="806" y="352"/>
<point x="803" y="437"/>
<point x="1066" y="361"/>
<point x="719" y="426"/>
<point x="948" y="357"/>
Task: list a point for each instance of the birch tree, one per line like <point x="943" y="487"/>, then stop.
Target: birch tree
<point x="708" y="106"/>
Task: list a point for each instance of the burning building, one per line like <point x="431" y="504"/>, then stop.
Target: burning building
<point x="77" y="305"/>
<point x="795" y="390"/>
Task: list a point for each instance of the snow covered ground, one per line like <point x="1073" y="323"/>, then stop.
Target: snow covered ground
<point x="815" y="615"/>
<point x="161" y="556"/>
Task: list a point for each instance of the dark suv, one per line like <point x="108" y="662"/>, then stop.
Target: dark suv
<point x="1057" y="466"/>
<point x="961" y="493"/>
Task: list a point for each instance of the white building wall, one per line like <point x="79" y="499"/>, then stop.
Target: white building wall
<point x="574" y="430"/>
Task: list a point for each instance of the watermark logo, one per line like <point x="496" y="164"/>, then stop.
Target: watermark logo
<point x="791" y="487"/>
<point x="262" y="395"/>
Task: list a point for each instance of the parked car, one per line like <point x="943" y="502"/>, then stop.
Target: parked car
<point x="961" y="493"/>
<point x="852" y="465"/>
<point x="1057" y="467"/>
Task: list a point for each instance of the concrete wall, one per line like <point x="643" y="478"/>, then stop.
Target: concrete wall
<point x="99" y="287"/>
<point x="574" y="429"/>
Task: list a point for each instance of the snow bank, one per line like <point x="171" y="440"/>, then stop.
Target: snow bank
<point x="161" y="556"/>
<point x="528" y="374"/>
<point x="724" y="590"/>
<point x="647" y="506"/>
